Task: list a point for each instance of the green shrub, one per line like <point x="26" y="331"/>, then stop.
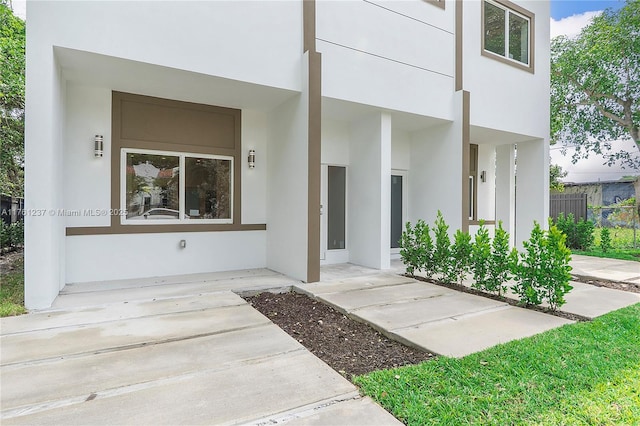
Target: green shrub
<point x="543" y="271"/>
<point x="579" y="234"/>
<point x="442" y="250"/>
<point x="5" y="235"/>
<point x="605" y="240"/>
<point x="480" y="258"/>
<point x="412" y="249"/>
<point x="499" y="262"/>
<point x="460" y="257"/>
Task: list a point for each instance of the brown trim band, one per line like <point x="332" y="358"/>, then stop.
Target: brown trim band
<point x="155" y="229"/>
<point x="458" y="38"/>
<point x="466" y="153"/>
<point x="314" y="141"/>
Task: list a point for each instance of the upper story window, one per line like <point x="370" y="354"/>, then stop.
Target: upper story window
<point x="507" y="33"/>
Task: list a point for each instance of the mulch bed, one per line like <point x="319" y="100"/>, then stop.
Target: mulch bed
<point x="349" y="347"/>
<point x="9" y="261"/>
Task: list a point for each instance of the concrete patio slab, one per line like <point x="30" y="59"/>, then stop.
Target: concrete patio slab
<point x="609" y="269"/>
<point x="356" y="299"/>
<point x="354" y="283"/>
<point x="62" y="379"/>
<point x="407" y="314"/>
<point x="460" y="336"/>
<point x="270" y="385"/>
<point x="118" y="311"/>
<point x="591" y="301"/>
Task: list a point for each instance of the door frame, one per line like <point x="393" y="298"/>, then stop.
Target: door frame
<point x="395" y="252"/>
<point x="328" y="257"/>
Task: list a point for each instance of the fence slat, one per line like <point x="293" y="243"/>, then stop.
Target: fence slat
<point x="567" y="204"/>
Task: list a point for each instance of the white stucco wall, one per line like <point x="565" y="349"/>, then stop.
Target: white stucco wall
<point x="402" y="49"/>
<point x="400" y="150"/>
<point x="288" y="176"/>
<point x="504" y="97"/>
<point x="487" y="190"/>
<point x="253" y="41"/>
<point x="335" y="142"/>
<point x="110" y="257"/>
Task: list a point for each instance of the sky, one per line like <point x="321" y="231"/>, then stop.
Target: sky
<point x="568" y="17"/>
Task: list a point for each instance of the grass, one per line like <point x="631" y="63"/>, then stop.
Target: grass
<point x="12" y="290"/>
<point x="585" y="373"/>
<point x="622" y="254"/>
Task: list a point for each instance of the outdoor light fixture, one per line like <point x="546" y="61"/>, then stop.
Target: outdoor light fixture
<point x="98" y="146"/>
<point x="252" y="159"/>
<point x="483" y="176"/>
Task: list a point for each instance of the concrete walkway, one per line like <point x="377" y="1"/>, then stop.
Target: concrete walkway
<point x="608" y="269"/>
<point x="176" y="353"/>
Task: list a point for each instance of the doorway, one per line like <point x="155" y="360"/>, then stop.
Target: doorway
<point x="333" y="223"/>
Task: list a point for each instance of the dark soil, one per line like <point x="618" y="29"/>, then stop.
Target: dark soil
<point x="599" y="282"/>
<point x="10" y="261"/>
<point x="349" y="347"/>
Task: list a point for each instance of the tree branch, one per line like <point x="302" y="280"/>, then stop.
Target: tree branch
<point x="608" y="114"/>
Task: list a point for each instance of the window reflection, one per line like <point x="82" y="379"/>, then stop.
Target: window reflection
<point x="207" y="188"/>
<point x="152" y="186"/>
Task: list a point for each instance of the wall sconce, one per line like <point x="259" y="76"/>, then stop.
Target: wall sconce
<point x="483" y="176"/>
<point x="252" y="159"/>
<point x="98" y="146"/>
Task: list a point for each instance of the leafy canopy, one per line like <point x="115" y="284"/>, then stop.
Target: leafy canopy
<point x="595" y="86"/>
<point x="12" y="77"/>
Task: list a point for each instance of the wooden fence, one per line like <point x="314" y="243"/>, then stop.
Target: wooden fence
<point x="568" y="203"/>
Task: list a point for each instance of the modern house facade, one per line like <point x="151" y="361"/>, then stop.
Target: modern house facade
<point x="277" y="134"/>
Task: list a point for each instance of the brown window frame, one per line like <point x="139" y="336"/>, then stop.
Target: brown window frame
<point x="230" y="148"/>
<point x="509" y="6"/>
<point x="439" y="3"/>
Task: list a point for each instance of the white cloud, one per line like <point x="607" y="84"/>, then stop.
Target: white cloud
<point x="572" y="25"/>
<point x="592" y="169"/>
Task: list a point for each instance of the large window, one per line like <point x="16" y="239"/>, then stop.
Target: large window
<point x="169" y="187"/>
<point x="507" y="33"/>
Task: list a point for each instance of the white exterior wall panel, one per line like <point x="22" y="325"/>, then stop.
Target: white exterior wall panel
<point x="387" y="54"/>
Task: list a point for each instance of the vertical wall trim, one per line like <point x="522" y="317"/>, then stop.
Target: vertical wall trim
<point x="314" y="140"/>
<point x="458" y="30"/>
<point x="466" y="148"/>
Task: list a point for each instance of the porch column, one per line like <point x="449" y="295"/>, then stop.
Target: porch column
<point x="369" y="191"/>
<point x="532" y="187"/>
<point x="506" y="189"/>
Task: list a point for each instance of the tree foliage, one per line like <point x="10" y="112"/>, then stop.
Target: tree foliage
<point x="555" y="174"/>
<point x="595" y="86"/>
<point x="12" y="77"/>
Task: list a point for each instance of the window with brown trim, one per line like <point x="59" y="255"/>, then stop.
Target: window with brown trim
<point x="507" y="33"/>
<point x="439" y="3"/>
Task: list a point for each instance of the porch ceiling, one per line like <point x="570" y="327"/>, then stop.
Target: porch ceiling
<point x="345" y="111"/>
<point x="484" y="135"/>
<point x="155" y="80"/>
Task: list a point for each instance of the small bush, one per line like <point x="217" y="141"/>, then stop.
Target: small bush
<point x="442" y="251"/>
<point x="543" y="272"/>
<point x="605" y="240"/>
<point x="412" y="249"/>
<point x="579" y="234"/>
<point x="11" y="236"/>
<point x="499" y="262"/>
<point x="461" y="257"/>
<point x="480" y="258"/>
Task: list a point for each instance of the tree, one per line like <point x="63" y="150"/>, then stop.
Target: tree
<point x="555" y="174"/>
<point x="595" y="86"/>
<point x="12" y="57"/>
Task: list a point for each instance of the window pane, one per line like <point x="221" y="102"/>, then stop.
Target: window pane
<point x="518" y="38"/>
<point x="152" y="186"/>
<point x="207" y="188"/>
<point x="494" y="29"/>
<point x="336" y="230"/>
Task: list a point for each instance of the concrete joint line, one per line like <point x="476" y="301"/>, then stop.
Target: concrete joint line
<point x="266" y="323"/>
<point x="454" y="318"/>
<point x="122" y="390"/>
<point x="303" y="411"/>
<point x="398" y="302"/>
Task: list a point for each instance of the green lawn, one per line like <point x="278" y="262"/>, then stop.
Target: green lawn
<point x="585" y="373"/>
<point x="12" y="291"/>
<point x="622" y="254"/>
